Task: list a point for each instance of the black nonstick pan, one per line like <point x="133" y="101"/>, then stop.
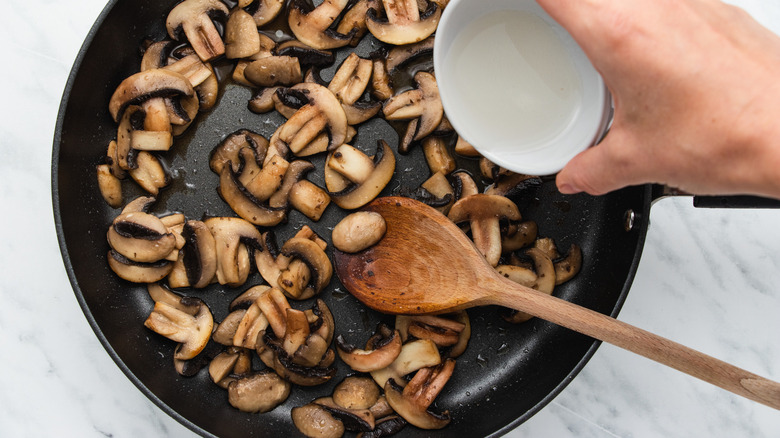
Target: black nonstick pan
<point x="509" y="371"/>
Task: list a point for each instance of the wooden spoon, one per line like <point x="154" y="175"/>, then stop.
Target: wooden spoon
<point x="426" y="264"/>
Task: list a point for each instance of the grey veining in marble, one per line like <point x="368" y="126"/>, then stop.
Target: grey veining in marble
<point x="708" y="279"/>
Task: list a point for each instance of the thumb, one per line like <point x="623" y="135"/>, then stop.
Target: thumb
<point x="601" y="169"/>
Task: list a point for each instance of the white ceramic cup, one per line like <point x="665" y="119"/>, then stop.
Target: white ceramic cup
<point x="591" y="112"/>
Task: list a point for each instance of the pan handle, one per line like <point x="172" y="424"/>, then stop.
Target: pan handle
<point x="733" y="201"/>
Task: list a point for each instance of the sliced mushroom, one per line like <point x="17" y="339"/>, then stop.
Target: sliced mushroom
<point x="232" y="235"/>
<point x="138" y="272"/>
<point x="146" y="85"/>
<point x="110" y="186"/>
<point x="274" y="70"/>
<point x="404" y="23"/>
<point x="414" y="356"/>
<point x="356" y="393"/>
<point x="385" y="427"/>
<point x="400" y="56"/>
<point x="523" y="235"/>
<point x="226" y="330"/>
<point x="262" y="101"/>
<point x="246" y="205"/>
<point x="315" y="421"/>
<point x="264" y="11"/>
<point x="438" y="186"/>
<point x="438" y="156"/>
<point x="309" y="199"/>
<point x="350" y="195"/>
<point x="354" y="20"/>
<point x="312" y="26"/>
<point x="358" y="231"/>
<point x="259" y="392"/>
<point x="316" y="260"/>
<point x="484" y="212"/>
<point x="149" y="173"/>
<point x="442" y="331"/>
<point x="241" y="37"/>
<point x="544" y="279"/>
<point x="422" y="102"/>
<point x="192" y="332"/>
<point x="351" y="79"/>
<point x="194" y="18"/>
<point x="381" y="83"/>
<point x="307" y="56"/>
<point x="229" y="150"/>
<point x="252" y="323"/>
<point x="295" y="173"/>
<point x="382" y="350"/>
<point x="199" y="254"/>
<point x="413" y="401"/>
<point x="356" y="420"/>
<point x="141" y="237"/>
<point x="567" y="267"/>
<point x="466" y="149"/>
<point x="322" y="113"/>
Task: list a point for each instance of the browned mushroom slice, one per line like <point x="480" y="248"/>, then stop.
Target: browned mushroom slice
<point x="414" y="355"/>
<point x="355" y="420"/>
<point x="381" y="84"/>
<point x="422" y="102"/>
<point x="312" y="26"/>
<point x="296" y="171"/>
<point x="322" y="113"/>
<point x="356" y="393"/>
<point x="438" y="156"/>
<point x="404" y="24"/>
<point x="315" y="259"/>
<point x="253" y="322"/>
<point x="110" y="186"/>
<point x="443" y="332"/>
<point x="262" y="101"/>
<point x="523" y="234"/>
<point x="264" y="11"/>
<point x="413" y="401"/>
<point x="439" y="186"/>
<point x="241" y="37"/>
<point x="307" y="56"/>
<point x="466" y="149"/>
<point x="351" y="79"/>
<point x="354" y="20"/>
<point x="309" y="199"/>
<point x="384" y="348"/>
<point x="222" y="366"/>
<point x="258" y="392"/>
<point x="543" y="279"/>
<point x="194" y="18"/>
<point x="245" y="204"/>
<point x="402" y="55"/>
<point x="138" y="272"/>
<point x="350" y="195"/>
<point x="484" y="213"/>
<point x="199" y="254"/>
<point x="230" y="148"/>
<point x="314" y="420"/>
<point x="141" y="237"/>
<point x="226" y="330"/>
<point x="231" y="236"/>
<point x="149" y="172"/>
<point x="274" y="70"/>
<point x="567" y="267"/>
<point x="192" y="332"/>
<point x="387" y="426"/>
<point x="146" y="85"/>
<point x="274" y="356"/>
<point x="274" y="305"/>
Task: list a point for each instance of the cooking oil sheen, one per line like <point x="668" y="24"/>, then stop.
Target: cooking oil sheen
<point x="515" y="79"/>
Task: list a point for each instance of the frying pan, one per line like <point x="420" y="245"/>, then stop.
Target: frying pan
<point x="509" y="371"/>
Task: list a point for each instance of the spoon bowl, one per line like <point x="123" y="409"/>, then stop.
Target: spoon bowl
<point x="425" y="264"/>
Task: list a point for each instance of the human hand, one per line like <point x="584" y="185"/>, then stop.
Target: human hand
<point x="696" y="92"/>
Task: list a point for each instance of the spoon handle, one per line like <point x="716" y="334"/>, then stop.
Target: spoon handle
<point x="642" y="342"/>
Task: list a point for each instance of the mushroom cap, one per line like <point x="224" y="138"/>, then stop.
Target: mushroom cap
<point x="259" y="392"/>
<point x="191" y="331"/>
<point x="308" y="251"/>
<point x="141" y="237"/>
<point x="145" y="85"/>
<point x="351" y="196"/>
<point x="314" y="420"/>
<point x="313" y="26"/>
<point x="404" y="29"/>
<point x="482" y="206"/>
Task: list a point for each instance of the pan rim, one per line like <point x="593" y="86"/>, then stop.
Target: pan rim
<point x="640" y="228"/>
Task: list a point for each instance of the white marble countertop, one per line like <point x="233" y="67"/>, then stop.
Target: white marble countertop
<point x="708" y="279"/>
